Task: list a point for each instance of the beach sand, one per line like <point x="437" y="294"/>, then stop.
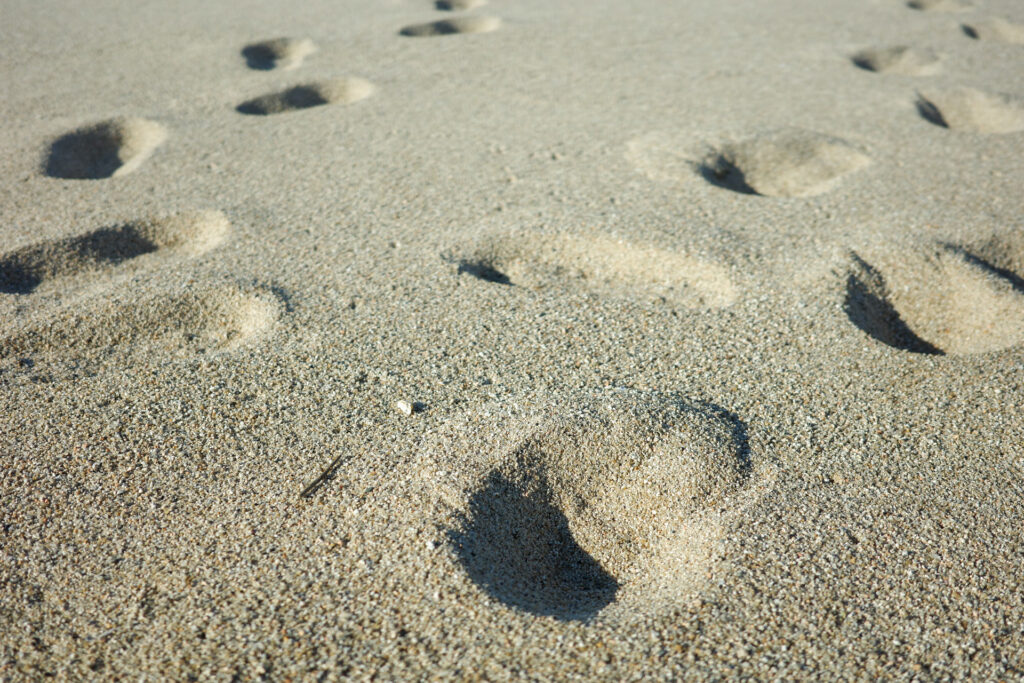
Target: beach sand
<point x="512" y="340"/>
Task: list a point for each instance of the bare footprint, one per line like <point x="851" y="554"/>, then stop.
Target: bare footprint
<point x="187" y="323"/>
<point x="972" y="110"/>
<point x="447" y="27"/>
<point x="611" y="506"/>
<point x="900" y="60"/>
<point x="943" y="301"/>
<point x="459" y="5"/>
<point x="280" y="53"/>
<point x="189" y="234"/>
<point x="939" y="5"/>
<point x="599" y="265"/>
<point x="104" y="150"/>
<point x="788" y="163"/>
<point x="337" y="91"/>
<point x="996" y="30"/>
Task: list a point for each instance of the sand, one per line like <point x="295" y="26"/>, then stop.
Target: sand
<point x="392" y="339"/>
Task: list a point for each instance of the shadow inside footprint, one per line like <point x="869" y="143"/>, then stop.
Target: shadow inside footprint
<point x="261" y="57"/>
<point x="484" y="271"/>
<point x="871" y="312"/>
<point x="299" y="97"/>
<point x="930" y="113"/>
<point x="517" y="546"/>
<point x="721" y="173"/>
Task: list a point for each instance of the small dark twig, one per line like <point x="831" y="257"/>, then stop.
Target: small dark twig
<point x="322" y="479"/>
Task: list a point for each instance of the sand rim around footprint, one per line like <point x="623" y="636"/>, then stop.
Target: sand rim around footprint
<point x="995" y="30"/>
<point x="899" y="60"/>
<point x="280" y="53"/>
<point x="180" y="324"/>
<point x="609" y="507"/>
<point x="448" y="27"/>
<point x="335" y="91"/>
<point x="188" y="234"/>
<point x="968" y="109"/>
<point x="946" y="300"/>
<point x="600" y="265"/>
<point x="104" y="150"/>
<point x="786" y="163"/>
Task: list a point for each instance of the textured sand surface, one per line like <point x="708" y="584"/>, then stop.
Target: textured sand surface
<point x="605" y="340"/>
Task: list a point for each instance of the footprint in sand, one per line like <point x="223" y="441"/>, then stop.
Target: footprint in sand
<point x="336" y="91"/>
<point x="447" y="27"/>
<point x="280" y="53"/>
<point x="899" y="60"/>
<point x="104" y="150"/>
<point x="967" y="109"/>
<point x="608" y="505"/>
<point x="996" y="30"/>
<point x="939" y="5"/>
<point x="949" y="300"/>
<point x="599" y="265"/>
<point x="458" y="5"/>
<point x="186" y="323"/>
<point x="187" y="234"/>
<point x="788" y="163"/>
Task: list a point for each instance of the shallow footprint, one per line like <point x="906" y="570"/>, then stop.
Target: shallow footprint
<point x="900" y="60"/>
<point x="336" y="91"/>
<point x="104" y="150"/>
<point x="787" y="163"/>
<point x="187" y="323"/>
<point x="972" y="110"/>
<point x="280" y="53"/>
<point x="996" y="30"/>
<point x="459" y="5"/>
<point x="947" y="301"/>
<point x="599" y="265"/>
<point x="608" y="505"/>
<point x="189" y="234"/>
<point x="447" y="27"/>
<point x="939" y="5"/>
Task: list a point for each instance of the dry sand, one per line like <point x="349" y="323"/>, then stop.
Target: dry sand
<point x="706" y="320"/>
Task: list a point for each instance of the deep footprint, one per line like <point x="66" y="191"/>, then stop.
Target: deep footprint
<point x="189" y="234"/>
<point x="967" y="109"/>
<point x="600" y="508"/>
<point x="788" y="163"/>
<point x="599" y="265"/>
<point x="337" y="91"/>
<point x="105" y="150"/>
<point x="281" y="53"/>
<point x="948" y="301"/>
<point x="900" y="60"/>
<point x="447" y="27"/>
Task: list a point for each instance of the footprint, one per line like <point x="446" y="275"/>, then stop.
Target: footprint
<point x="608" y="507"/>
<point x="946" y="301"/>
<point x="996" y="30"/>
<point x="186" y="323"/>
<point x="280" y="53"/>
<point x="108" y="149"/>
<point x="972" y="110"/>
<point x="788" y="163"/>
<point x="447" y="27"/>
<point x="599" y="265"/>
<point x="459" y="5"/>
<point x="939" y="5"/>
<point x="900" y="60"/>
<point x="188" y="234"/>
<point x="337" y="91"/>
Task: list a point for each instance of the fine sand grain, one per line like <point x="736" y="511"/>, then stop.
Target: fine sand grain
<point x="602" y="341"/>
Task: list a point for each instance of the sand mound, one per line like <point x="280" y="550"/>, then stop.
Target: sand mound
<point x="337" y="91"/>
<point x="995" y="30"/>
<point x="948" y="300"/>
<point x="447" y="27"/>
<point x="280" y="53"/>
<point x="939" y="5"/>
<point x="899" y="60"/>
<point x="972" y="110"/>
<point x="185" y="323"/>
<point x="789" y="163"/>
<point x="104" y="150"/>
<point x="190" y="234"/>
<point x="602" y="508"/>
<point x="459" y="5"/>
<point x="600" y="265"/>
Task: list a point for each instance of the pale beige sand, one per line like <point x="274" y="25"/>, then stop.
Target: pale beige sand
<point x="639" y="340"/>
